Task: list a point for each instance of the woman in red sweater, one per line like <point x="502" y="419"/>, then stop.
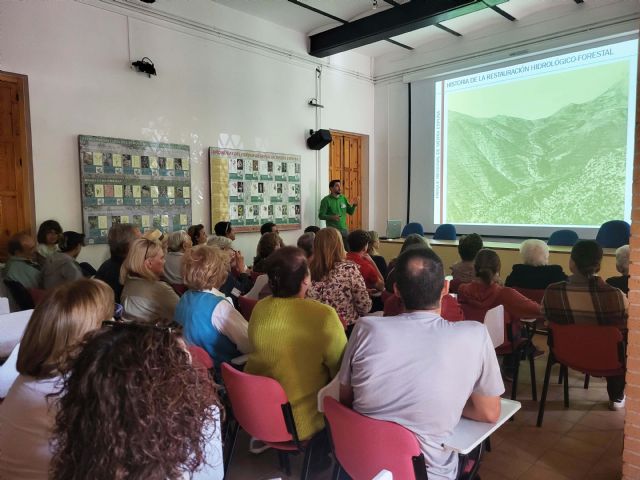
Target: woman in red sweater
<point x="486" y="291"/>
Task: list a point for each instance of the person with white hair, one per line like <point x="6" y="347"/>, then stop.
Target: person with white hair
<point x="534" y="272"/>
<point x="177" y="243"/>
<point x="622" y="265"/>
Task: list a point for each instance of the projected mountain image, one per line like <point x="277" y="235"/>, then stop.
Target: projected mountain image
<point x="566" y="169"/>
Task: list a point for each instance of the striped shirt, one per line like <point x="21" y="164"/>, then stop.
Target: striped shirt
<point x="585" y="301"/>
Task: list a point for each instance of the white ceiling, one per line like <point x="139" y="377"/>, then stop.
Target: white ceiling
<point x="290" y="15"/>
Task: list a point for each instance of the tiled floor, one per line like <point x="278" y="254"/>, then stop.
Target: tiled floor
<point x="581" y="442"/>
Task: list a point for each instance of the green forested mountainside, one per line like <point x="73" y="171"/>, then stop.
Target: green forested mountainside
<point x="566" y="169"/>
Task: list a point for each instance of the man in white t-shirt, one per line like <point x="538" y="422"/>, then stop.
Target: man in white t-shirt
<point x="419" y="370"/>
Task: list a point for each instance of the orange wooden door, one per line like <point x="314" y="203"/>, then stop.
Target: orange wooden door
<point x="345" y="162"/>
<point x="15" y="189"/>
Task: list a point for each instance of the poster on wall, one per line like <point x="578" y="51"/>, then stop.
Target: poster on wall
<point x="131" y="181"/>
<point x="251" y="188"/>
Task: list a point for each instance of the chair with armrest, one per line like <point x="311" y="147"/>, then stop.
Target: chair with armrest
<point x="200" y="357"/>
<point x="261" y="407"/>
<point x="364" y="446"/>
<point x="613" y="234"/>
<point x="563" y="238"/>
<point x="595" y="350"/>
<point x="19" y="294"/>
<point x="37" y="295"/>
<point x="412" y="227"/>
<point x="515" y="346"/>
<point x="535" y="294"/>
<point x="245" y="305"/>
<point x="179" y="288"/>
<point x="446" y="231"/>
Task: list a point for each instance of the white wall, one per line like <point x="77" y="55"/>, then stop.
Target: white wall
<point x="210" y="91"/>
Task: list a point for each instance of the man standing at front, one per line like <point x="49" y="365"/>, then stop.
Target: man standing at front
<point x="335" y="207"/>
<point x="419" y="370"/>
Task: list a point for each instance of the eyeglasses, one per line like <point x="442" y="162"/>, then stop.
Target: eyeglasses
<point x="137" y="325"/>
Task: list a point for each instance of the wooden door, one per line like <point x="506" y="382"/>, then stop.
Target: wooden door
<point x="16" y="191"/>
<point x="345" y="163"/>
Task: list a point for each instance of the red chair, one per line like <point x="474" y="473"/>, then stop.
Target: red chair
<point x="364" y="446"/>
<point x="513" y="345"/>
<point x="596" y="350"/>
<point x="179" y="288"/>
<point x="261" y="407"/>
<point x="37" y="295"/>
<point x="245" y="305"/>
<point x="200" y="357"/>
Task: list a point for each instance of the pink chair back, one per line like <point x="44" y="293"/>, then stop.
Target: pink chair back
<point x="592" y="349"/>
<point x="245" y="305"/>
<point x="257" y="404"/>
<point x="200" y="357"/>
<point x="364" y="446"/>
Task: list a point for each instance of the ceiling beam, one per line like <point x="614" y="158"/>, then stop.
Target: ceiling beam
<point x="338" y="19"/>
<point x="392" y="22"/>
<point x="506" y="15"/>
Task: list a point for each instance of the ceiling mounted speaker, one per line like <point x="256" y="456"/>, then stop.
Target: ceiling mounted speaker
<point x="319" y="139"/>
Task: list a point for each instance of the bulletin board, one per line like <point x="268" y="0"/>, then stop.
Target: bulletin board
<point x="131" y="181"/>
<point x="251" y="188"/>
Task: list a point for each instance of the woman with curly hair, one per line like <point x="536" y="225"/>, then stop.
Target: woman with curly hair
<point x="135" y="408"/>
<point x="27" y="414"/>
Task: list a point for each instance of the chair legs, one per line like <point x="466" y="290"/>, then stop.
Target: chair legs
<point x="231" y="437"/>
<point x="283" y="460"/>
<point x="566" y="386"/>
<point x="545" y="389"/>
<point x="532" y="373"/>
<point x="586" y="382"/>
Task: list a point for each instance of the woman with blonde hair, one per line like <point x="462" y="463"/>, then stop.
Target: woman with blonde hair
<point x="374" y="253"/>
<point x="336" y="282"/>
<point x="144" y="296"/>
<point x="177" y="244"/>
<point x="209" y="319"/>
<point x="27" y="414"/>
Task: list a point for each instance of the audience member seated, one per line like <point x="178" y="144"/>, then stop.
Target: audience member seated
<point x="312" y="229"/>
<point x="435" y="388"/>
<point x="198" y="234"/>
<point x="585" y="298"/>
<point x="20" y="266"/>
<point x="305" y="242"/>
<point x="28" y="412"/>
<point x="238" y="280"/>
<point x="49" y="234"/>
<point x="622" y="265"/>
<point x="144" y="297"/>
<point x="268" y="227"/>
<point x="210" y="321"/>
<point x="225" y="229"/>
<point x="534" y="273"/>
<point x="468" y="247"/>
<point x="134" y="407"/>
<point x="177" y="244"/>
<point x="336" y="282"/>
<point x="358" y="241"/>
<point x="120" y="237"/>
<point x="412" y="241"/>
<point x="268" y="243"/>
<point x="296" y="341"/>
<point x="61" y="267"/>
<point x="486" y="292"/>
<point x="374" y="253"/>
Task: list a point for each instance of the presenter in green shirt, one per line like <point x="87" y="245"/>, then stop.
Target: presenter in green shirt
<point x="335" y="207"/>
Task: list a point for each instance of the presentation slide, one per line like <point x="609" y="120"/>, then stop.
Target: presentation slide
<point x="547" y="143"/>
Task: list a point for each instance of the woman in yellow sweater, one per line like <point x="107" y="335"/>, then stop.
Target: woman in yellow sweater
<point x="296" y="341"/>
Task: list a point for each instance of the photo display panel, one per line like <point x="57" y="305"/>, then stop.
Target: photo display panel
<point x="251" y="188"/>
<point x="132" y="181"/>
